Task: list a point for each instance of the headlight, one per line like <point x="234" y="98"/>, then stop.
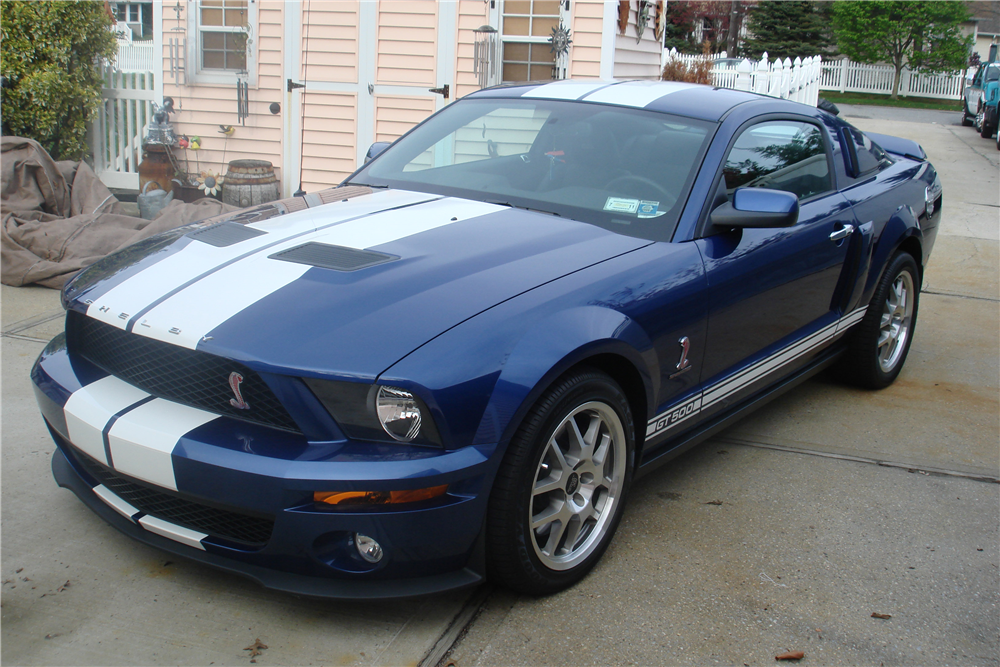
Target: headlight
<point x="377" y="412"/>
<point x="398" y="413"/>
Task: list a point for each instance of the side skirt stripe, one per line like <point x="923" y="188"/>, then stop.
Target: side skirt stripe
<point x="722" y="390"/>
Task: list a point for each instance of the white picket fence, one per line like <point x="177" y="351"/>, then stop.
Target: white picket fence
<point x="846" y="76"/>
<point x="119" y="126"/>
<point x="843" y="75"/>
<point x="134" y="56"/>
<point x="797" y="80"/>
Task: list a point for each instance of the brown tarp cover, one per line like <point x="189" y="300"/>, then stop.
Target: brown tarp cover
<point x="58" y="217"/>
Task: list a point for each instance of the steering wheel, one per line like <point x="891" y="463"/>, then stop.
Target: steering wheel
<point x="667" y="198"/>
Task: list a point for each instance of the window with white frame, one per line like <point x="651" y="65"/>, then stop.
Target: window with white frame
<point x="221" y="40"/>
<point x="134" y="13"/>
<point x="526" y="27"/>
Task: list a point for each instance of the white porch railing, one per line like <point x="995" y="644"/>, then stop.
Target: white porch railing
<point x="797" y="80"/>
<point x="134" y="56"/>
<point x="119" y="126"/>
<point x="846" y="76"/>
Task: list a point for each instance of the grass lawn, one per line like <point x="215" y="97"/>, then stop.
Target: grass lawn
<point x="885" y="101"/>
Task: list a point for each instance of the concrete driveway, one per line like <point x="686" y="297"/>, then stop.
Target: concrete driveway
<point x="835" y="504"/>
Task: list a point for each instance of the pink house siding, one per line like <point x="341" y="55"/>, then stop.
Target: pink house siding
<point x="394" y="116"/>
<point x="330" y="31"/>
<point x="471" y="15"/>
<point x="585" y="53"/>
<point x="202" y="108"/>
<point x="407" y="40"/>
<point x="637" y="60"/>
<point x="330" y="37"/>
<point x="328" y="139"/>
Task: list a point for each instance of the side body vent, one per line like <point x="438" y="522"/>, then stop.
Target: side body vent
<point x="225" y="234"/>
<point x="335" y="257"/>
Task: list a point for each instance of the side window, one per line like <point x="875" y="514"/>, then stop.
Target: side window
<point x="993" y="73"/>
<point x="781" y="155"/>
<point x="870" y="155"/>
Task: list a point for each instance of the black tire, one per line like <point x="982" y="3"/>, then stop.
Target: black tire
<point x="985" y="129"/>
<point x="541" y="561"/>
<point x="966" y="116"/>
<point x="878" y="345"/>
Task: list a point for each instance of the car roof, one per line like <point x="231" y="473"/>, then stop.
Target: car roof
<point x="684" y="99"/>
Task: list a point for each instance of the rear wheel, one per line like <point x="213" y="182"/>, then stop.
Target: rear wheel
<point x="985" y="127"/>
<point x="878" y="346"/>
<point x="560" y="491"/>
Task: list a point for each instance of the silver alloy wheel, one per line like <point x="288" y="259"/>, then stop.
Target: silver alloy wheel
<point x="577" y="485"/>
<point x="895" y="325"/>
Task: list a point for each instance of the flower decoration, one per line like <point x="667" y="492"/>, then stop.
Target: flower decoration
<point x="209" y="183"/>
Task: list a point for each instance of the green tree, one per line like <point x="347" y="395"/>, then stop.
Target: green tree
<point x="789" y="29"/>
<point x="49" y="59"/>
<point x="920" y="35"/>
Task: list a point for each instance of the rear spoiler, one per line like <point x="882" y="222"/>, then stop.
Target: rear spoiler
<point x="904" y="147"/>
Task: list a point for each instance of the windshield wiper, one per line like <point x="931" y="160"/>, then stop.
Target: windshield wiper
<point x="367" y="185"/>
<point x="523" y="208"/>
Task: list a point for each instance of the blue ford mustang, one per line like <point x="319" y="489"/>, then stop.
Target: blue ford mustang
<point x="453" y="366"/>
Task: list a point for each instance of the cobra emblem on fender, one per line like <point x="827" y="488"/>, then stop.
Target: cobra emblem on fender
<point x="235" y="379"/>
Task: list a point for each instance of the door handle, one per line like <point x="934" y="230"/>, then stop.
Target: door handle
<point x="842" y="233"/>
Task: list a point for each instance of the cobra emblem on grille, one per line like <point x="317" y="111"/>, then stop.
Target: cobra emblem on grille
<point x="235" y="379"/>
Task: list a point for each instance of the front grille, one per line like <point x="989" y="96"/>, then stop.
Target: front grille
<point x="193" y="378"/>
<point x="246" y="530"/>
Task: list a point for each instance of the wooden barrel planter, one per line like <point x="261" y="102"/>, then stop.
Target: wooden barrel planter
<point x="250" y="182"/>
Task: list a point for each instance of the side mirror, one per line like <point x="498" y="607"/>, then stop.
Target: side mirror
<point x="376" y="149"/>
<point x="757" y="207"/>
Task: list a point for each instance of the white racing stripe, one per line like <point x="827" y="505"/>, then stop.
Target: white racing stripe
<point x="143" y="439"/>
<point x="565" y="90"/>
<point x="189" y="315"/>
<point x="722" y="390"/>
<point x="636" y="93"/>
<point x="123" y="301"/>
<point x="192" y="538"/>
<point x="90" y="408"/>
<point x="115" y="502"/>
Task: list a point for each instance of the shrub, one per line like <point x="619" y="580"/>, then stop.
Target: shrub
<point x="50" y="53"/>
<point x="698" y="71"/>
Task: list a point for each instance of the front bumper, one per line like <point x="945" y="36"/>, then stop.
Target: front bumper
<point x="239" y="496"/>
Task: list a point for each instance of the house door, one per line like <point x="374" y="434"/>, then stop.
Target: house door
<point x="358" y="72"/>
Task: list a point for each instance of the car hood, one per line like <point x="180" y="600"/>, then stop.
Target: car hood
<point x="345" y="289"/>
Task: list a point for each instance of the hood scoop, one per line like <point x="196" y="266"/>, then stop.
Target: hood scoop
<point x="338" y="258"/>
<point x="225" y="234"/>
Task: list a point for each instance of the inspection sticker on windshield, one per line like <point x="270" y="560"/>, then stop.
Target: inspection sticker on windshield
<point x="648" y="209"/>
<point x="619" y="205"/>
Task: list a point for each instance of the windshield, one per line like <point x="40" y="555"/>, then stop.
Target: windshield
<point x="626" y="170"/>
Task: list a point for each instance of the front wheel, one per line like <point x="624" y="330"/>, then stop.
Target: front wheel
<point x="560" y="491"/>
<point x="878" y="346"/>
<point x="966" y="116"/>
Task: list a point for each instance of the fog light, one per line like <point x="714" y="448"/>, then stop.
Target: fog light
<point x="369" y="549"/>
